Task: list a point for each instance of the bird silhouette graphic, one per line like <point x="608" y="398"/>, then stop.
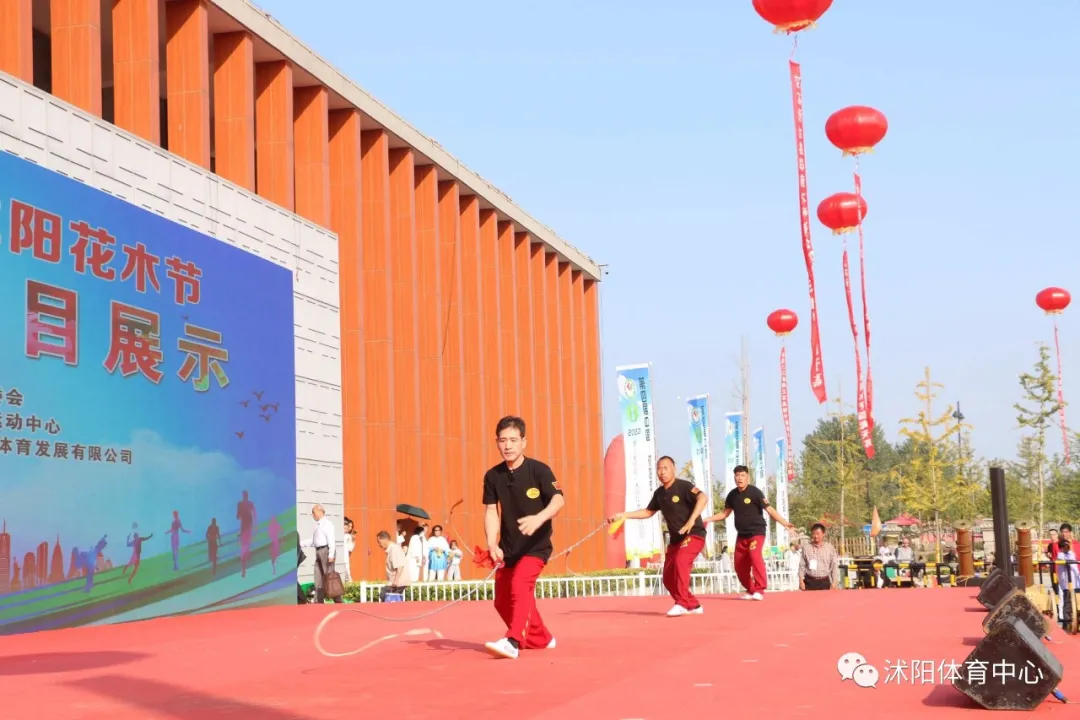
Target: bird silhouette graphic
<point x="258" y="394"/>
<point x="239" y="434"/>
<point x="265" y="407"/>
<point x="265" y="417"/>
<point x="245" y="402"/>
<point x="274" y="405"/>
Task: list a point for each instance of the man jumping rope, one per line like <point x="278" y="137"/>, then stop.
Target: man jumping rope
<point x="528" y="496"/>
<point x="748" y="503"/>
<point x="681" y="504"/>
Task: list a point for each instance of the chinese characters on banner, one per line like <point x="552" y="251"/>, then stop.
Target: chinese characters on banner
<point x="135" y="342"/>
<point x="32" y="435"/>
<point x="36" y="436"/>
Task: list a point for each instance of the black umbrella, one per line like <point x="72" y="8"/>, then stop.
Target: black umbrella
<point x="413" y="511"/>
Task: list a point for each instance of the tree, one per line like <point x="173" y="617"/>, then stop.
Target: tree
<point x="929" y="484"/>
<point x="1040" y="396"/>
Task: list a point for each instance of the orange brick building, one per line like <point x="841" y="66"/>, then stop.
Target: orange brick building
<point x="456" y="307"/>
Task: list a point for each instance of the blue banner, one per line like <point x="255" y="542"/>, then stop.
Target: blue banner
<point x="147" y="413"/>
<point x="701" y="455"/>
<point x="781" y="493"/>
<point x="761" y="478"/>
<point x="734" y="453"/>
<point x="643" y="537"/>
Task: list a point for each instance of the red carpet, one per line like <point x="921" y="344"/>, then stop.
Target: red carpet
<point x="616" y="658"/>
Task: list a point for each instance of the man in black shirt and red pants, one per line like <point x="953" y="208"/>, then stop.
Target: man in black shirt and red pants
<point x="681" y="504"/>
<point x="521" y="496"/>
<point x="749" y="505"/>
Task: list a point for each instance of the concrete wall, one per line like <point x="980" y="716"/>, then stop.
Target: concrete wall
<point x="37" y="127"/>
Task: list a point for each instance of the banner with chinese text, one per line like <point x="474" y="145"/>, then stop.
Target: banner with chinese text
<point x="761" y="479"/>
<point x="643" y="538"/>
<point x="147" y="413"/>
<point x="733" y="457"/>
<point x="701" y="456"/>
<point x="782" y="539"/>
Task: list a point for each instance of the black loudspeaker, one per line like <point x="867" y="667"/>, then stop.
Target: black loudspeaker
<point x="1017" y="605"/>
<point x="996" y="586"/>
<point x="1010" y="669"/>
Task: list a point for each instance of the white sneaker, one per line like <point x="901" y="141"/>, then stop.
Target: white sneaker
<point x="757" y="596"/>
<point x="699" y="610"/>
<point x="747" y="596"/>
<point x="502" y="648"/>
<point x="677" y="611"/>
<point x="551" y="645"/>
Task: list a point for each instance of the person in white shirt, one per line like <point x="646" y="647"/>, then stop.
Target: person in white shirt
<point x="324" y="542"/>
<point x="417" y="554"/>
<point x="350" y="545"/>
<point x="437" y="556"/>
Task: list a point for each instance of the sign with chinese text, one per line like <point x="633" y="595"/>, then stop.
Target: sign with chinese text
<point x="782" y="493"/>
<point x="643" y="538"/>
<point x="733" y="457"/>
<point x="147" y="413"/>
<point x="701" y="456"/>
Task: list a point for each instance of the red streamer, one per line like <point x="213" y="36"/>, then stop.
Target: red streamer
<point x="817" y="370"/>
<point x="1061" y="393"/>
<point x="785" y="409"/>
<point x="865" y="310"/>
<point x="482" y="558"/>
<point x="864" y="426"/>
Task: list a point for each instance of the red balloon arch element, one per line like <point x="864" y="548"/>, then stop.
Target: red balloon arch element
<point x="856" y="129"/>
<point x="791" y="16"/>
<point x="842" y="212"/>
<point x="1054" y="301"/>
<point x="783" y="323"/>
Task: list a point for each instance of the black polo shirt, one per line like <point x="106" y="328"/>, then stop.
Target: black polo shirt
<point x="748" y="506"/>
<point x="520" y="493"/>
<point x="676" y="502"/>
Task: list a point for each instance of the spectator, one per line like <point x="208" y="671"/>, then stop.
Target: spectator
<point x="454" y="571"/>
<point x="397" y="567"/>
<point x="438" y="555"/>
<point x="416" y="553"/>
<point x="819" y="567"/>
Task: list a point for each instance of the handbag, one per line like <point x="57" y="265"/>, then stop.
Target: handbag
<point x="333" y="585"/>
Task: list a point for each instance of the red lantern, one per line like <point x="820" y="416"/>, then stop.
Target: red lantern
<point x="791" y="16"/>
<point x="1053" y="300"/>
<point x="842" y="212"/>
<point x="856" y="129"/>
<point x="782" y="322"/>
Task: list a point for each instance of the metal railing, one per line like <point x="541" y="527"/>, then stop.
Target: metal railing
<point x="642" y="583"/>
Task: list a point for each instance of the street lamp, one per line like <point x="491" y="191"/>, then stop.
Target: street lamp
<point x="959" y="418"/>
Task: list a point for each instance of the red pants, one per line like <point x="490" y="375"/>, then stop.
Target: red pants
<point x="750" y="564"/>
<point x="515" y="601"/>
<point x="677" y="563"/>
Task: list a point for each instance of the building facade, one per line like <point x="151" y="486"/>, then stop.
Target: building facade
<point x="427" y="303"/>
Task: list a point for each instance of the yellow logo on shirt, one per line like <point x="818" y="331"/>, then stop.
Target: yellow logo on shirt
<point x="532" y="493"/>
<point x="675" y="499"/>
<point x="746" y="500"/>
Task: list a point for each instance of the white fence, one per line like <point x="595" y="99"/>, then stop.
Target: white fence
<point x="638" y="584"/>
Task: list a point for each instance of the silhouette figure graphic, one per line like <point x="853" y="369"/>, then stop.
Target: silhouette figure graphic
<point x="135" y="542"/>
<point x="87" y="562"/>
<point x="175" y="529"/>
<point x="245" y="513"/>
<point x="213" y="542"/>
<point x="273" y="529"/>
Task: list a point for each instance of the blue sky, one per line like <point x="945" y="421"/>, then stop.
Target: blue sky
<point x="658" y="138"/>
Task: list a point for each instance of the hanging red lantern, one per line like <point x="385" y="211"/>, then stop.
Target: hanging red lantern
<point x="1053" y="300"/>
<point x="842" y="212"/>
<point x="791" y="16"/>
<point x="856" y="129"/>
<point x="782" y="322"/>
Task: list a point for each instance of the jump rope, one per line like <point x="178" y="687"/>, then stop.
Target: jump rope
<point x="480" y="557"/>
